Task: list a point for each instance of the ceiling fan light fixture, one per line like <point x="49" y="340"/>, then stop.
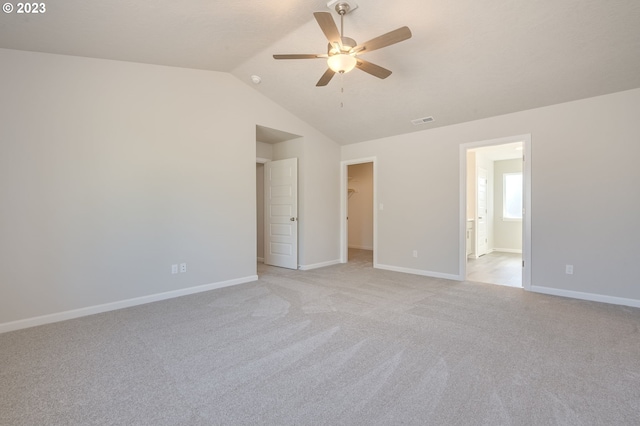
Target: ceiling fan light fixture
<point x="342" y="62"/>
<point x="343" y="53"/>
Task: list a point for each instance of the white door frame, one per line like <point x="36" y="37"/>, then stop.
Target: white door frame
<point x="263" y="161"/>
<point x="476" y="225"/>
<point x="526" y="220"/>
<point x="344" y="204"/>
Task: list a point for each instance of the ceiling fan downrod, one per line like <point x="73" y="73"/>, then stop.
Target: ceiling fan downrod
<point x="342" y="9"/>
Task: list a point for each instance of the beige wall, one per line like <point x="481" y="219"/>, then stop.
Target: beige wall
<point x="264" y="150"/>
<point x="583" y="162"/>
<point x="360" y="210"/>
<point x="471" y="184"/>
<point x="318" y="199"/>
<point x="110" y="172"/>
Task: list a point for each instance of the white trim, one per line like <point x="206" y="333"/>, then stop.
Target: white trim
<point x="360" y="247"/>
<point x="507" y="250"/>
<point x="261" y="259"/>
<point x="344" y="240"/>
<point x="526" y="221"/>
<point x="419" y="272"/>
<point x="319" y="265"/>
<point x="587" y="296"/>
<point x="97" y="309"/>
<point x="262" y="160"/>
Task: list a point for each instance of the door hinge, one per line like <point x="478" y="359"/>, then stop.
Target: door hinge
<point x="523" y="263"/>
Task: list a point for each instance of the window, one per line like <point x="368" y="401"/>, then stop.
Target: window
<point x="512" y="196"/>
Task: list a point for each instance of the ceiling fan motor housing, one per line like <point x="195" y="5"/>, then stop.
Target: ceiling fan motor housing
<point x="347" y="44"/>
<point x="343" y="8"/>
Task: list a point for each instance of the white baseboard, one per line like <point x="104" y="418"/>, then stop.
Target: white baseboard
<point x="507" y="250"/>
<point x="587" y="296"/>
<point x="318" y="265"/>
<point x="360" y="247"/>
<point x="261" y="259"/>
<point x="97" y="309"/>
<point x="418" y="272"/>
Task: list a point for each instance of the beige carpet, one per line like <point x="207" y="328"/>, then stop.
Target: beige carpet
<point x="342" y="345"/>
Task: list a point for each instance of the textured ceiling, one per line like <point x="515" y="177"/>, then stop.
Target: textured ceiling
<point x="467" y="59"/>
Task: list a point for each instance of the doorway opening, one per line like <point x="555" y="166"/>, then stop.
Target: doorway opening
<point x="275" y="233"/>
<point x="358" y="213"/>
<point x="495" y="217"/>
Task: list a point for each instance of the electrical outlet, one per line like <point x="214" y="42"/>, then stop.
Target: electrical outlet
<point x="174" y="269"/>
<point x="568" y="269"/>
<point x="415" y="253"/>
<point x="183" y="267"/>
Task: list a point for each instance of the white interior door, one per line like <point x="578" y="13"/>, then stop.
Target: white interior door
<point x="281" y="213"/>
<point x="481" y="215"/>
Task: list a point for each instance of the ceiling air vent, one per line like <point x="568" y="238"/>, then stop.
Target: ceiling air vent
<point x="422" y="120"/>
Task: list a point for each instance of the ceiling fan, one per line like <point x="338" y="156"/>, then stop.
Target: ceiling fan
<point x="343" y="52"/>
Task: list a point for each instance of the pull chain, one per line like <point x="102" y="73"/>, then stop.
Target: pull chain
<point x="341" y="90"/>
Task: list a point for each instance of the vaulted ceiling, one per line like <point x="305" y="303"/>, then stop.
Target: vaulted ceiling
<point x="467" y="59"/>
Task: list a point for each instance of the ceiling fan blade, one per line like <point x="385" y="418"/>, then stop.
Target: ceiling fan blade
<point x="384" y="40"/>
<point x="372" y="69"/>
<point x="326" y="78"/>
<point x="300" y="56"/>
<point x="328" y="27"/>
